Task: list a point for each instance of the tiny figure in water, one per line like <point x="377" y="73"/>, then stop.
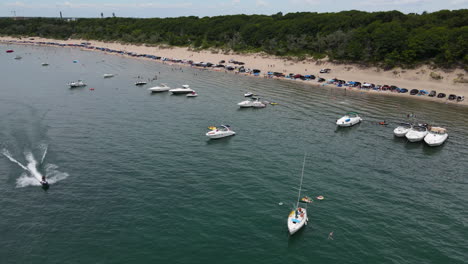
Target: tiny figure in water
<point x="330" y="236"/>
<point x="384" y="123"/>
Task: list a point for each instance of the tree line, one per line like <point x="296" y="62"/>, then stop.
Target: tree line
<point x="386" y="39"/>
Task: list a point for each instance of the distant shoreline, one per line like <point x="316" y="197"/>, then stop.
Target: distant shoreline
<point x="410" y="79"/>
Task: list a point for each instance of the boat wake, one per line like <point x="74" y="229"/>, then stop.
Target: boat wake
<point x="32" y="175"/>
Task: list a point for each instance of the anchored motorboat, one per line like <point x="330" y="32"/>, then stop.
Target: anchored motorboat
<point x="416" y="133"/>
<point x="258" y="104"/>
<point x="185" y="89"/>
<point x="220" y="132"/>
<point x="159" y="89"/>
<point x="350" y="119"/>
<point x="248" y="94"/>
<point x="78" y="83"/>
<point x="18" y="57"/>
<point x="245" y="104"/>
<point x="108" y="75"/>
<point x="140" y="83"/>
<point x="436" y="136"/>
<point x="45" y="64"/>
<point x="402" y="129"/>
<point x="192" y="94"/>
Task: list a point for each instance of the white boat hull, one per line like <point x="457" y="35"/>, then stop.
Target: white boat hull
<point x="348" y="121"/>
<point x="400" y="131"/>
<point x="258" y="105"/>
<point x="245" y="104"/>
<point x="295" y="224"/>
<point x="158" y="89"/>
<point x="434" y="140"/>
<point x="415" y="136"/>
<point x="181" y="91"/>
<point x="220" y="134"/>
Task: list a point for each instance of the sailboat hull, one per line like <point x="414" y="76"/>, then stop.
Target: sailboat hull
<point x="296" y="220"/>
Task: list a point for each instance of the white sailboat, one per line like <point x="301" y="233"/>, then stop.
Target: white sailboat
<point x="298" y="217"/>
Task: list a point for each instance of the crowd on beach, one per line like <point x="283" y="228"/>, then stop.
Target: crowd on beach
<point x="239" y="67"/>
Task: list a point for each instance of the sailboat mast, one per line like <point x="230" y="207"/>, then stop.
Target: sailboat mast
<point x="302" y="177"/>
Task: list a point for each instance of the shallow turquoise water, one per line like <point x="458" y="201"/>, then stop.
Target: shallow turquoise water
<point x="138" y="182"/>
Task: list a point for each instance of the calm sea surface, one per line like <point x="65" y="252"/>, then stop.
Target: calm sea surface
<point x="135" y="180"/>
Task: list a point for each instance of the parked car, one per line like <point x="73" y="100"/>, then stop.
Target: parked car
<point x="441" y="95"/>
<point x="460" y="98"/>
<point x="452" y="97"/>
<point x="325" y="70"/>
<point x="414" y="91"/>
<point x="403" y="90"/>
<point x="432" y="93"/>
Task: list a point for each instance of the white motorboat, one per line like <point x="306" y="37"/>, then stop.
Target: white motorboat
<point x="416" y="133"/>
<point x="350" y="119"/>
<point x="436" y="136"/>
<point x="140" y="83"/>
<point x="220" y="132"/>
<point x="245" y="104"/>
<point x="185" y="89"/>
<point x="108" y="75"/>
<point x="258" y="104"/>
<point x="18" y="57"/>
<point x="78" y="83"/>
<point x="402" y="129"/>
<point x="159" y="89"/>
<point x="298" y="217"/>
<point x="248" y="94"/>
<point x="192" y="94"/>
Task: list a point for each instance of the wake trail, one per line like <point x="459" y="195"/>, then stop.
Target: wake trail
<point x="44" y="147"/>
<point x="7" y="154"/>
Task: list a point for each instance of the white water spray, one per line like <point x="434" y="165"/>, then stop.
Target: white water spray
<point x="31" y="174"/>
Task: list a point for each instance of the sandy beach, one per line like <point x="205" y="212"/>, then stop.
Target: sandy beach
<point x="419" y="78"/>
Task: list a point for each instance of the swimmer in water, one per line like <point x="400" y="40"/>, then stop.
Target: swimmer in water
<point x="330" y="236"/>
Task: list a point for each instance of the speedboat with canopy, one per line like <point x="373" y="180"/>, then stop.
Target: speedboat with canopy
<point x="436" y="136"/>
<point x="417" y="133"/>
<point x="220" y="132"/>
<point x="298" y="216"/>
<point x="350" y="119"/>
<point x="185" y="89"/>
<point x="402" y="129"/>
<point x="159" y="89"/>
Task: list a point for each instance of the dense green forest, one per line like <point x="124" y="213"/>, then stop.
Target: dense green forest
<point x="383" y="38"/>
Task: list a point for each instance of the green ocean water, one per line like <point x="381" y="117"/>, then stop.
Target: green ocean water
<point x="135" y="180"/>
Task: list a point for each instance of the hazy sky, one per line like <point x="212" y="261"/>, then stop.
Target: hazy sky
<point x="175" y="8"/>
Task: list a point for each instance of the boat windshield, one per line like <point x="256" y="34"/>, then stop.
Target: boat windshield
<point x="420" y="128"/>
